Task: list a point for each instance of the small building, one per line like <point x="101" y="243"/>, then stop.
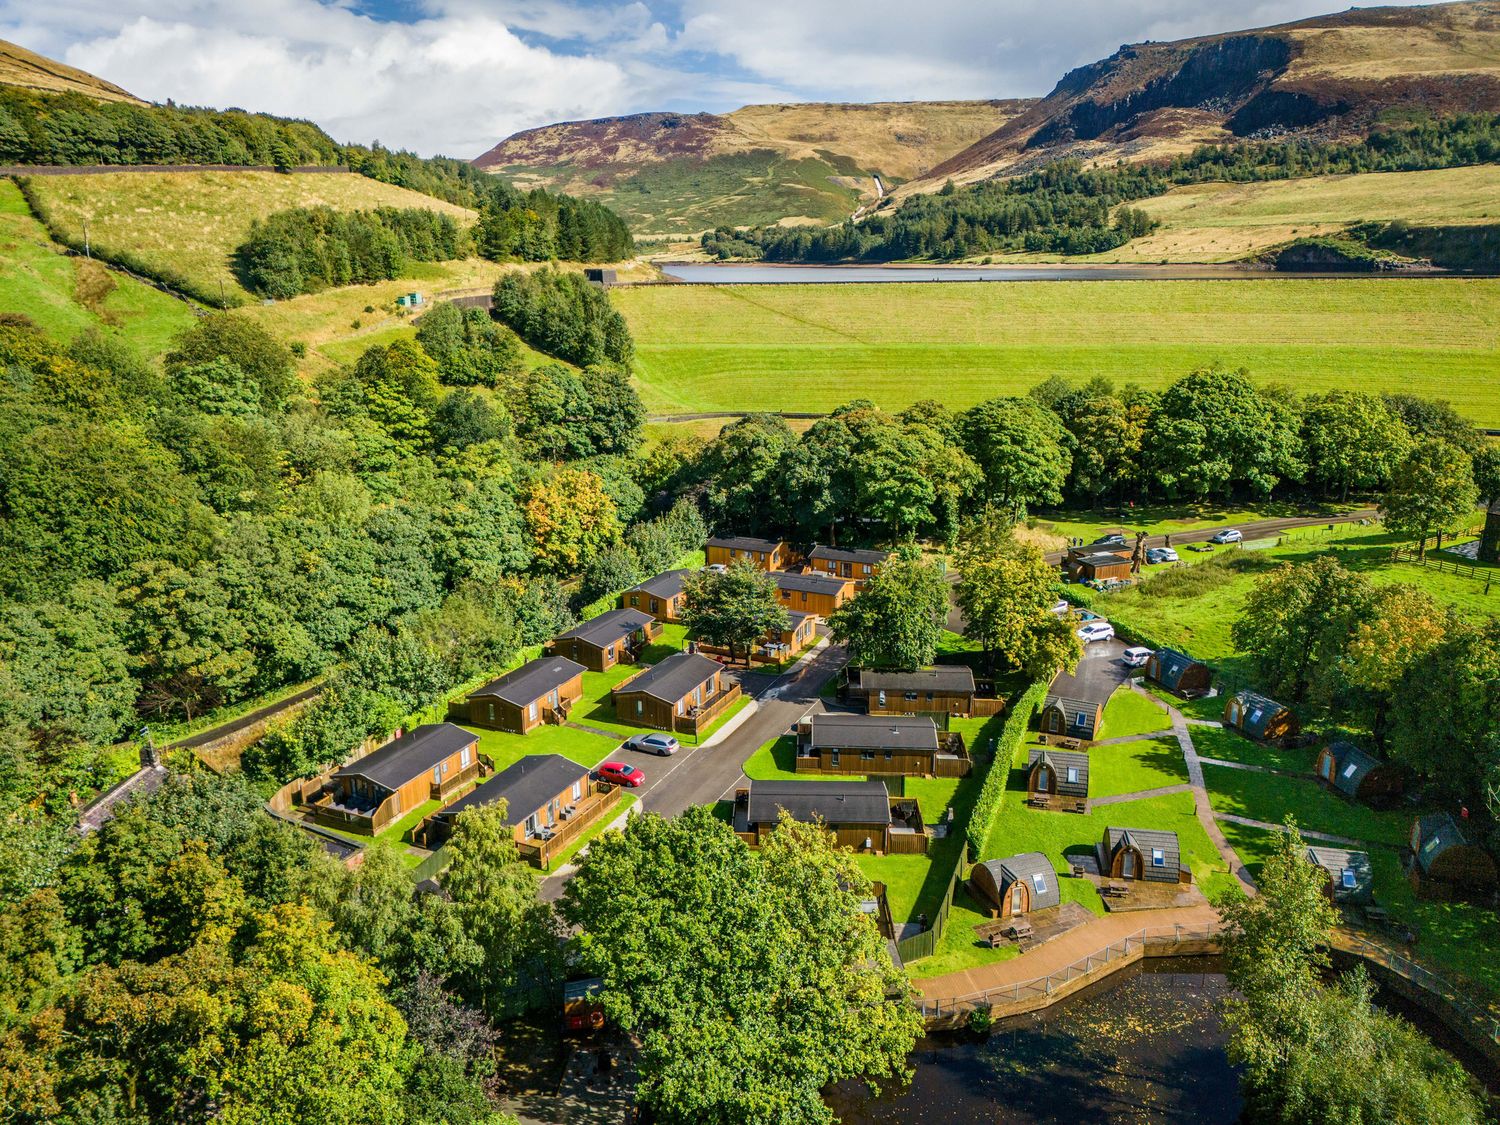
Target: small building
<point x="1142" y="853"/>
<point x="1489" y="538"/>
<point x="540" y="691"/>
<point x="603" y="278"/>
<point x="615" y="637"/>
<point x="1347" y="768"/>
<point x="1017" y="884"/>
<point x="1058" y="774"/>
<point x="1074" y="707"/>
<point x="1350" y="877"/>
<point x="1445" y="865"/>
<point x="1093" y="564"/>
<point x="583" y="1006"/>
<point x="685" y="692"/>
<point x="1259" y="716"/>
<point x="661" y="596"/>
<point x="541" y="792"/>
<point x="430" y="763"/>
<point x="813" y="593"/>
<point x="1178" y="672"/>
<point x="902" y="745"/>
<point x="861" y="814"/>
<point x="768" y="554"/>
<point x="839" y="562"/>
<point x="944" y="689"/>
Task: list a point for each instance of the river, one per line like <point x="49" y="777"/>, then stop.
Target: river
<point x="706" y="273"/>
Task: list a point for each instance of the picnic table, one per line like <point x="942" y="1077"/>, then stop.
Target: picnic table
<point x="1114" y="889"/>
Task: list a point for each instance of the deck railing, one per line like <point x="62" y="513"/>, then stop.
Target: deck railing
<point x="541" y="852"/>
<point x="925" y="943"/>
<point x="706" y="714"/>
<point x="1485" y="1021"/>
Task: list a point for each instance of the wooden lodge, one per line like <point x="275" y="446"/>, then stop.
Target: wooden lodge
<point x="1445" y="865"/>
<point x="944" y="689"/>
<point x="430" y="763"/>
<point x="661" y="597"/>
<point x="1178" y="672"/>
<point x="1351" y="879"/>
<point x="685" y="692"/>
<point x="615" y="637"/>
<point x="1059" y="777"/>
<point x="1141" y="853"/>
<point x="812" y="593"/>
<point x="1095" y="564"/>
<point x="861" y="814"/>
<point x="901" y="745"/>
<point x="540" y="791"/>
<point x="1345" y="767"/>
<point x="1016" y="885"/>
<point x="540" y="691"/>
<point x="801" y="630"/>
<point x="839" y="562"/>
<point x="767" y="554"/>
<point x="1074" y="707"/>
<point x="1259" y="717"/>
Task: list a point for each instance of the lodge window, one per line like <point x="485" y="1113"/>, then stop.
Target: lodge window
<point x="463" y="757"/>
<point x="1346" y="879"/>
<point x="865" y="567"/>
<point x="1072" y="775"/>
<point x="911" y="696"/>
<point x="1081" y="719"/>
<point x="577" y="790"/>
<point x="868" y="755"/>
<point x="531" y="710"/>
<point x="834" y="758"/>
<point x="492" y="712"/>
<point x="1043" y="781"/>
<point x="655" y="606"/>
<point x="1158" y="857"/>
<point x="437" y="776"/>
<point x="1039" y="881"/>
<point x="888" y="755"/>
<point x="640" y="706"/>
<point x="1349" y="769"/>
<point x="635" y="599"/>
<point x="882" y="699"/>
<point x="929" y="697"/>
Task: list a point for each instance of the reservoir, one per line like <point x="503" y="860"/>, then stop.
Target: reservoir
<point x="759" y="273"/>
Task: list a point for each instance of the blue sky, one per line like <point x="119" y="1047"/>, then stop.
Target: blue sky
<point x="457" y="76"/>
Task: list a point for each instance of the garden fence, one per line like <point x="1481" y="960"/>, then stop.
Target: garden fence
<point x="433" y="866"/>
<point x="925" y="943"/>
<point x="1484" y="1020"/>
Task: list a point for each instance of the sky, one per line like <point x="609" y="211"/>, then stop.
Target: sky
<point x="457" y="76"/>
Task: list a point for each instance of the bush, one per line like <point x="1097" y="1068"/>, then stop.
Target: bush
<point x="1011" y="736"/>
<point x="563" y="315"/>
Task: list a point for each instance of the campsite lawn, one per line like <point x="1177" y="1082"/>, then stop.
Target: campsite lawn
<point x="1135" y="766"/>
<point x="1229" y="746"/>
<point x="1269" y="797"/>
<point x="1130" y="713"/>
<point x="813" y="347"/>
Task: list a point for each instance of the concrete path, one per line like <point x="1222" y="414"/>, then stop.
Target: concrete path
<point x="1138" y="795"/>
<point x="1248" y="768"/>
<point x="1124" y="738"/>
<point x="1206" y="723"/>
<point x="1326" y="837"/>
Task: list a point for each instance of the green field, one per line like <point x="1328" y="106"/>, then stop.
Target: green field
<point x="813" y="347"/>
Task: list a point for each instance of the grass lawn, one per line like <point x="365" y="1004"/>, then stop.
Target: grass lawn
<point x="1209" y="708"/>
<point x="1169" y="519"/>
<point x="1129" y="713"/>
<point x="803" y="347"/>
<point x="622" y="804"/>
<point x="1263" y="796"/>
<point x="581" y="746"/>
<point x="1229" y="746"/>
<point x="1133" y="766"/>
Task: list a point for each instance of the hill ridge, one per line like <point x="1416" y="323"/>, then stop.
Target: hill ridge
<point x="31" y="71"/>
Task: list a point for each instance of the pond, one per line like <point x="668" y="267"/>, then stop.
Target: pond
<point x="1145" y="1045"/>
<point x="706" y="273"/>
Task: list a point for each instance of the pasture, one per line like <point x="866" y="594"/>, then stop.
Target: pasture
<point x="813" y="347"/>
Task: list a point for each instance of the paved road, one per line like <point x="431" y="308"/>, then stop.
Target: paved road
<point x="204" y="737"/>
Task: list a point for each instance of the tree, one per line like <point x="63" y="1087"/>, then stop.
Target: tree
<point x="751" y="979"/>
<point x="1351" y="439"/>
<point x="469" y="347"/>
<point x="735" y="608"/>
<point x="1297" y="618"/>
<point x="1021" y="450"/>
<point x="743" y="472"/>
<point x="897" y="619"/>
<point x="1400" y="626"/>
<point x="570" y="519"/>
<point x="235" y="338"/>
<point x="1487" y="473"/>
<point x="1431" y="488"/>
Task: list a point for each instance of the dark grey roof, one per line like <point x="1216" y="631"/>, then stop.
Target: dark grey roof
<point x="1094" y="690"/>
<point x="1336" y="861"/>
<point x="1028" y="868"/>
<point x="1061" y="761"/>
<point x="835" y="802"/>
<point x="944" y="677"/>
<point x="674" y="677"/>
<point x="1145" y="840"/>
<point x="1101" y="558"/>
<point x="1350" y="766"/>
<point x="1436" y="833"/>
<point x="668" y="584"/>
<point x="1071" y="707"/>
<point x="850" y="555"/>
<point x="811" y="583"/>
<point x="525" y="786"/>
<point x="1170" y="665"/>
<point x="745" y="543"/>
<point x="837" y="731"/>
<point x="1258" y="711"/>
<point x="532" y="680"/>
<point x="795" y="617"/>
<point x="411" y="755"/>
<point x="607" y="628"/>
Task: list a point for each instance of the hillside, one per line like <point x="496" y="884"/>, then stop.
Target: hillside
<point x="680" y="173"/>
<point x="30" y="71"/>
<point x="1328" y="77"/>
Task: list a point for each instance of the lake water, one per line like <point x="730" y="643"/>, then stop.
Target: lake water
<point x="704" y="273"/>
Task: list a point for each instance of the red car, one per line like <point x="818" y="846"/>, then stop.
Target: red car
<point x="619" y="773"/>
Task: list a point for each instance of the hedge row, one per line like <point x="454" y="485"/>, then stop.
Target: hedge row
<point x="1011" y="735"/>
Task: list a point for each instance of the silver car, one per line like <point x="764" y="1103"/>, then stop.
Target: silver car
<point x="662" y="744"/>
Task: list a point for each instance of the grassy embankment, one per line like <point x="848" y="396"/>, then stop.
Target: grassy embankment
<point x="813" y="347"/>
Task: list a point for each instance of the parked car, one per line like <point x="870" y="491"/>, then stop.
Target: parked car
<point x="622" y="773"/>
<point x="1096" y="631"/>
<point x="1113" y="539"/>
<point x="663" y="744"/>
<point x="1161" y="555"/>
<point x="1228" y="535"/>
<point x="1136" y="657"/>
<point x="1061" y="607"/>
<point x="716" y="568"/>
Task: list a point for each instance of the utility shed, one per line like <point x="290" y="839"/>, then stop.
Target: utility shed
<point x="1347" y="768"/>
<point x="1178" y="672"/>
<point x="1058" y="773"/>
<point x="1142" y="853"/>
<point x="1017" y="884"/>
<point x="1444" y="864"/>
<point x="1350" y="876"/>
<point x="1259" y="716"/>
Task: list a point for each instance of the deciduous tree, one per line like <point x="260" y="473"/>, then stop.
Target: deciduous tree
<point x="735" y="608"/>
<point x="1431" y="488"/>
<point x="897" y="619"/>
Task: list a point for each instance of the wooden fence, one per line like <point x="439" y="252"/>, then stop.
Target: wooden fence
<point x="925" y="943"/>
<point x="1444" y="566"/>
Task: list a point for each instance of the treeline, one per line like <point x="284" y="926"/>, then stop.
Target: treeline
<point x="308" y="249"/>
<point x="1068" y="209"/>
<point x="560" y="313"/>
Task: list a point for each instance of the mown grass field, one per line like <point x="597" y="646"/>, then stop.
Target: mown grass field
<point x="187" y="224"/>
<point x="813" y="347"/>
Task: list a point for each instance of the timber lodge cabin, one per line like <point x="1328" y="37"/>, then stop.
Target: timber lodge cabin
<point x="540" y="691"/>
<point x="661" y="596"/>
<point x="430" y="763"/>
<point x="1058" y="775"/>
<point x="1345" y="767"/>
<point x="616" y="637"/>
<point x="1178" y="672"/>
<point x="1259" y="716"/>
<point x="1094" y="564"/>
<point x="838" y="562"/>
<point x="1016" y="885"/>
<point x="1350" y="877"/>
<point x="812" y="593"/>
<point x="767" y="554"/>
<point x="1445" y="865"/>
<point x="541" y="791"/>
<point x="945" y="689"/>
<point x="1142" y="853"/>
<point x="685" y="692"/>
<point x="861" y="814"/>
<point x="902" y="745"/>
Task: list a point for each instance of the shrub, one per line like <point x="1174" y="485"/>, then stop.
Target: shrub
<point x="998" y="773"/>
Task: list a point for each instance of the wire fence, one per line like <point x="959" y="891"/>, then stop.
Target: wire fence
<point x="1482" y="1019"/>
